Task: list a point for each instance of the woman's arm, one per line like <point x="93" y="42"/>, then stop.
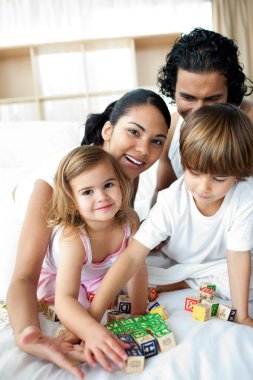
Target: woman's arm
<point x="33" y="242"/>
<point x="99" y="343"/>
<point x="239" y="268"/>
<point x="22" y="293"/>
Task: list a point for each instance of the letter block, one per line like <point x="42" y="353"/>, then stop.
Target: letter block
<point x="152" y="294"/>
<point x="213" y="305"/>
<point x="189" y="302"/>
<point x="162" y="310"/>
<point x="124" y="304"/>
<point x="206" y="293"/>
<point x="201" y="312"/>
<point x="226" y="313"/>
<point x="135" y="361"/>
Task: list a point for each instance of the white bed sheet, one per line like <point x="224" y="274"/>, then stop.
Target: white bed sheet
<point x="212" y="350"/>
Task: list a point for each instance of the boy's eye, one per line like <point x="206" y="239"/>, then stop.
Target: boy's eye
<point x="219" y="179"/>
<point x="193" y="172"/>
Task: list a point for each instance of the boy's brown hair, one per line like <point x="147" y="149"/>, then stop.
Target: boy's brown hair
<point x="63" y="210"/>
<point x="218" y="139"/>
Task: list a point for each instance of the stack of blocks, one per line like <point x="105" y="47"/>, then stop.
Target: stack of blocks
<point x="146" y="334"/>
<point x="204" y="306"/>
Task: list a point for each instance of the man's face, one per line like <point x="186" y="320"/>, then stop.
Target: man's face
<point x="194" y="90"/>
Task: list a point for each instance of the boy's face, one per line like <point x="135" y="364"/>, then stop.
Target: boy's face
<point x="207" y="190"/>
<point x="194" y="90"/>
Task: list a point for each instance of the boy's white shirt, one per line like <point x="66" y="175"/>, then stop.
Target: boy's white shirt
<point x="194" y="238"/>
<point x="174" y="153"/>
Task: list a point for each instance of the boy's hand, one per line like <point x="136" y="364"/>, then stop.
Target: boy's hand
<point x="100" y="345"/>
<point x="247" y="322"/>
<point x="61" y="353"/>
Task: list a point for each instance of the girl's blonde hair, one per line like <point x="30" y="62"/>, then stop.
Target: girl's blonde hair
<point x="63" y="209"/>
<point x="218" y="140"/>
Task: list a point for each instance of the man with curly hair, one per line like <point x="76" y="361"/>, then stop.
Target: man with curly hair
<point x="201" y="68"/>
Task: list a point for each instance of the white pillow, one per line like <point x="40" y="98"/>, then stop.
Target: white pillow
<point x="28" y="144"/>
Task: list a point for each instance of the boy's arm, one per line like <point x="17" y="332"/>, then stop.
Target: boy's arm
<point x="137" y="286"/>
<point x="239" y="268"/>
<point x="128" y="263"/>
<point x="100" y="344"/>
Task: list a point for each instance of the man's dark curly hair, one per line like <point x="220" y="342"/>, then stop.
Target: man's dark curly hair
<point x="203" y="51"/>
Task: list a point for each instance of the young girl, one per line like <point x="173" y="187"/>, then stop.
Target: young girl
<point x="93" y="223"/>
<point x="133" y="130"/>
<point x="207" y="214"/>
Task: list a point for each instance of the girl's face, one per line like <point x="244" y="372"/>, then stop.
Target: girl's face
<point x="207" y="190"/>
<point x="97" y="193"/>
<point x="137" y="139"/>
<point x="194" y="90"/>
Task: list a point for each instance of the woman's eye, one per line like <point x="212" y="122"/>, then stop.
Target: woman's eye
<point x="158" y="142"/>
<point x="134" y="132"/>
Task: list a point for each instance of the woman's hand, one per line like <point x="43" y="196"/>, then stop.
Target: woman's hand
<point x="55" y="350"/>
<point x="100" y="345"/>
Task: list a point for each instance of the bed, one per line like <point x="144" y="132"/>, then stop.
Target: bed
<point x="215" y="349"/>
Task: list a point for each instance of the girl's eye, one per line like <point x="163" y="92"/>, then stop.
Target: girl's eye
<point x="108" y="185"/>
<point x="87" y="192"/>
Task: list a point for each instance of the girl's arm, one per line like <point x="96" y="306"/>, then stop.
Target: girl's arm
<point x="126" y="266"/>
<point x="22" y="293"/>
<point x="99" y="343"/>
<point x="239" y="268"/>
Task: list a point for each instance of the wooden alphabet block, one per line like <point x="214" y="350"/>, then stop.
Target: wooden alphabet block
<point x="189" y="302"/>
<point x="146" y="342"/>
<point x="152" y="306"/>
<point x="207" y="285"/>
<point x="165" y="339"/>
<point x="51" y="314"/>
<point x="135" y="361"/>
<point x="201" y="312"/>
<point x="152" y="294"/>
<point x="226" y="313"/>
<point x="206" y="293"/>
<point x="213" y="305"/>
<point x="162" y="310"/>
<point x="124" y="304"/>
<point x="115" y="316"/>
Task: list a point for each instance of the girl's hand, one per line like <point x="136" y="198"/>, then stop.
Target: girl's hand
<point x="100" y="345"/>
<point x="61" y="353"/>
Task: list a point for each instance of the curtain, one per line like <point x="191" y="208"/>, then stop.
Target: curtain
<point x="234" y="19"/>
<point x="38" y="21"/>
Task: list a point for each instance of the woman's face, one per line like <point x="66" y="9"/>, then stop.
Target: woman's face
<point x="137" y="139"/>
<point x="194" y="90"/>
